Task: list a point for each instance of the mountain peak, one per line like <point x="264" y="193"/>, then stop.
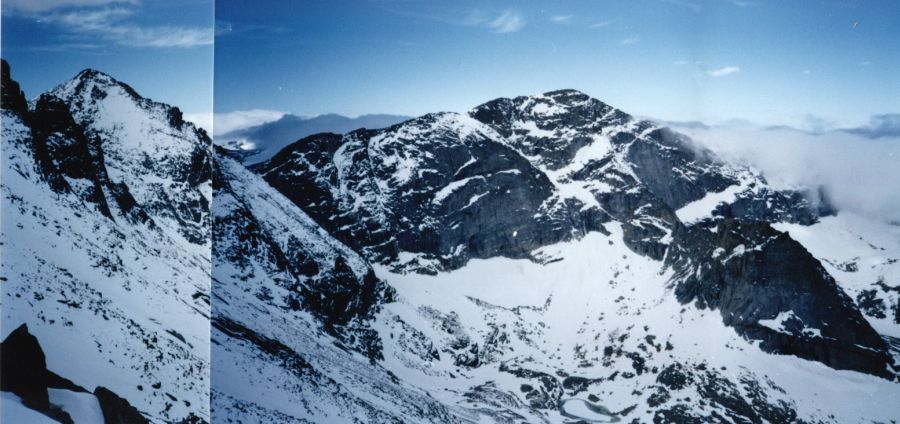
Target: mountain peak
<point x="98" y="77"/>
<point x="567" y="94"/>
<point x="92" y="73"/>
<point x="88" y="81"/>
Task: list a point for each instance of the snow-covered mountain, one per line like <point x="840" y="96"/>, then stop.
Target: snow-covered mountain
<point x="551" y="259"/>
<point x="105" y="251"/>
<point x="544" y="259"/>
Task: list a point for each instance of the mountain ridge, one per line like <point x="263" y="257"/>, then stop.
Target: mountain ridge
<point x="541" y="258"/>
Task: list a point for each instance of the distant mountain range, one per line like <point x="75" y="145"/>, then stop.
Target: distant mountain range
<point x="260" y="142"/>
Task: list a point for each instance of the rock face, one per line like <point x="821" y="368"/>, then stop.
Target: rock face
<point x="429" y="193"/>
<point x="769" y="288"/>
<point x="105" y="241"/>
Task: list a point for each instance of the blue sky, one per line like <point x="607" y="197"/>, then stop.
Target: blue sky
<point x="803" y="63"/>
<point x="162" y="48"/>
<point x="810" y="64"/>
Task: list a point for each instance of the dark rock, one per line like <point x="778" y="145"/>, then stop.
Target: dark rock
<point x="546" y="392"/>
<point x="764" y="204"/>
<point x="870" y="304"/>
<point x="660" y="152"/>
<point x="117" y="410"/>
<point x="575" y="385"/>
<point x="24" y="368"/>
<point x="674" y="377"/>
<point x="751" y="272"/>
<point x="12" y="97"/>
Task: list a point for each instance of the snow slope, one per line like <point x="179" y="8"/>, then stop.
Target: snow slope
<point x="117" y="292"/>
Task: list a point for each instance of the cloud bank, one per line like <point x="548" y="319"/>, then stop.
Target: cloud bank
<point x="231" y="121"/>
<point x="859" y="173"/>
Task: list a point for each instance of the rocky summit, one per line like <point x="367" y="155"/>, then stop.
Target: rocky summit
<point x="545" y="259"/>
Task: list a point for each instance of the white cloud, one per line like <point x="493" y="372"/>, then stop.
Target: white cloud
<point x="508" y="21"/>
<point x="858" y="173"/>
<point x="562" y="19"/>
<point x="113" y="25"/>
<point x="629" y="41"/>
<point x="680" y="62"/>
<point x="721" y="72"/>
<point x="231" y="121"/>
<point x="201" y="119"/>
<point x="36" y="6"/>
<point x="602" y="24"/>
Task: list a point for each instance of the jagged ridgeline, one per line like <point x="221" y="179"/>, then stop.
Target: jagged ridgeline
<point x="544" y="259"/>
<point x="105" y="256"/>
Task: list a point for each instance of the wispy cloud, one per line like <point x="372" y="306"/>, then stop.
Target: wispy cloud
<point x="629" y="41"/>
<point x="721" y="72"/>
<point x="508" y="21"/>
<point x="602" y="24"/>
<point x="39" y="6"/>
<point x="114" y="25"/>
<point x="685" y="3"/>
<point x="498" y="21"/>
<point x="742" y="3"/>
<point x="561" y="19"/>
<point x="681" y="62"/>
